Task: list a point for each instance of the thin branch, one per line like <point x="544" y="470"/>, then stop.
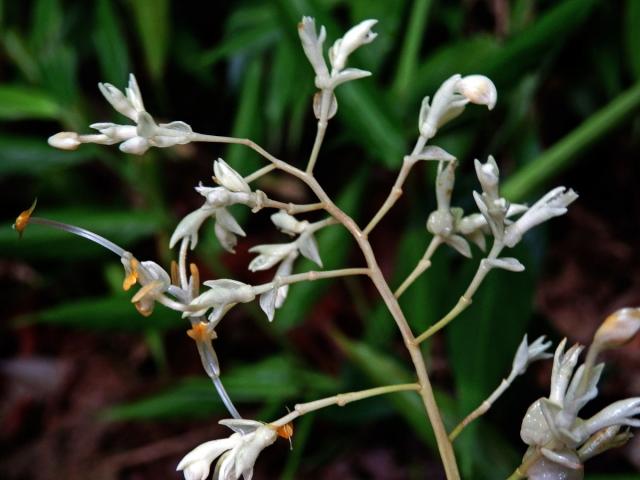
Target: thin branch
<point x="342" y="399"/>
<point x="259" y="173"/>
<point x="396" y="191"/>
<point x="422" y="265"/>
<point x="309" y="276"/>
<point x="467" y="298"/>
<point x="326" y="97"/>
<point x="292" y="208"/>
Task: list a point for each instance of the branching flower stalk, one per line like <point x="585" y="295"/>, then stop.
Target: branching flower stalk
<point x="562" y="439"/>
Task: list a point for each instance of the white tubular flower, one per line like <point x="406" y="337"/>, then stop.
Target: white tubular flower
<point x="136" y="139"/>
<point x="153" y="279"/>
<point x="229" y="178"/>
<point x="288" y="223"/>
<point x="242" y="449"/>
<point x="527" y="354"/>
<point x="451" y="98"/>
<point x="222" y="293"/>
<point x="357" y="36"/>
<point x="553" y="204"/>
<point x="312" y="44"/>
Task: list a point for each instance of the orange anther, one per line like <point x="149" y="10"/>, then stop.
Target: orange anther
<point x="132" y="276"/>
<point x="285" y="431"/>
<point x="200" y="332"/>
<point x="23" y="219"/>
<point x="175" y="277"/>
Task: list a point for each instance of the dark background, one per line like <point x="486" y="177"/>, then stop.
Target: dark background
<point x="92" y="389"/>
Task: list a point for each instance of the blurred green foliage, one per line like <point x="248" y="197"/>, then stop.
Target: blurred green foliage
<point x="241" y="72"/>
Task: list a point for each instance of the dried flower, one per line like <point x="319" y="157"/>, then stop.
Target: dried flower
<point x="618" y="328"/>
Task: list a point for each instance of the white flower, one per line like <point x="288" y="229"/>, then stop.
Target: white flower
<point x="275" y="297"/>
<point x="242" y="449"/>
<point x="221" y="294"/>
<point x="553" y="204"/>
<point x="312" y="43"/>
<point x="355" y="37"/>
<point x="451" y="98"/>
<point x="136" y="139"/>
<point x="527" y="354"/>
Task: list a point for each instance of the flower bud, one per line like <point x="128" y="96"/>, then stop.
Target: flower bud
<point x="618" y="328"/>
<point x="478" y="89"/>
<point x="229" y="178"/>
<point x="135" y="146"/>
<point x="64" y="140"/>
<point x="288" y="223"/>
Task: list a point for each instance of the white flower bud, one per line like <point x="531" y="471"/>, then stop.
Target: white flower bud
<point x="618" y="328"/>
<point x="478" y="89"/>
<point x="269" y="255"/>
<point x="116" y="132"/>
<point x="64" y="140"/>
<point x="288" y="223"/>
<point x="488" y="176"/>
<point x="355" y="37"/>
<point x="118" y="101"/>
<point x="229" y="178"/>
<point x="135" y="146"/>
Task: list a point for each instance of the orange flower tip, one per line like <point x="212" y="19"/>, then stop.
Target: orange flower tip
<point x="285" y="431"/>
<point x="23" y="219"/>
<point x="200" y="332"/>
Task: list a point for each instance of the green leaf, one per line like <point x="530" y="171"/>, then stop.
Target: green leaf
<point x="365" y="116"/>
<point x="413" y="38"/>
<point x="121" y="227"/>
<point x="111" y="44"/>
<point x="33" y="156"/>
<point x="276" y="378"/>
<point x="632" y="36"/>
<point x="19" y="102"/>
<point x="563" y="153"/>
<point x="247" y="121"/>
<point x="152" y="22"/>
<point x="46" y="25"/>
<point x="105" y="313"/>
<point x="333" y="243"/>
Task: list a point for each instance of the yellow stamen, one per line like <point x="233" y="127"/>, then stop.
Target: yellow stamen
<point x="23" y="219"/>
<point x="132" y="276"/>
<point x="195" y="280"/>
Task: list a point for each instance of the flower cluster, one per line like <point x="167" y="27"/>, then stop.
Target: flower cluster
<point x="135" y="139"/>
<point x="559" y="440"/>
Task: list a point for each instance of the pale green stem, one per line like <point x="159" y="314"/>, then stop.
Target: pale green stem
<point x="483" y="408"/>
<point x="341" y="400"/>
<point x="396" y="190"/>
<point x="466" y="298"/>
<point x="309" y="276"/>
<point x="325" y="100"/>
<point x="521" y="472"/>
<point x="423" y="264"/>
<point x="259" y="173"/>
<point x="292" y="208"/>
